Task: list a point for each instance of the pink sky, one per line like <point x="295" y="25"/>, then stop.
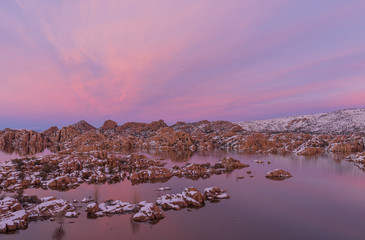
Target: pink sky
<point x="63" y="61"/>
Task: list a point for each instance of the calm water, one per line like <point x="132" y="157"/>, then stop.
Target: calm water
<point x="324" y="200"/>
<point x="4" y="156"/>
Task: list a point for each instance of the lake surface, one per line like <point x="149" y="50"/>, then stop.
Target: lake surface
<point x="4" y="156"/>
<point x="325" y="199"/>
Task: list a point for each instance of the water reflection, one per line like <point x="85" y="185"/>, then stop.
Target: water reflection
<point x="4" y="156"/>
<point x="338" y="157"/>
<point x="96" y="193"/>
<point x="21" y="151"/>
<point x="336" y="161"/>
<point x="59" y="232"/>
<point x="307" y="204"/>
<point x="174" y="156"/>
<point x="135" y="227"/>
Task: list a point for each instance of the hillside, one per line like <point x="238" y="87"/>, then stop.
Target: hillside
<point x="339" y="122"/>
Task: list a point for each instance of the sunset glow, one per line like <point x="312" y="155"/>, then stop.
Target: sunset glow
<point x="63" y="61"/>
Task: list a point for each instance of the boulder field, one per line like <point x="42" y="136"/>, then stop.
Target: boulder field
<point x="203" y="135"/>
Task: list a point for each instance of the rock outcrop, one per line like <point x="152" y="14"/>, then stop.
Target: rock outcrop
<point x="358" y="160"/>
<point x="49" y="207"/>
<point x="83" y="127"/>
<point x="70" y="132"/>
<point x="151" y="174"/>
<point x="148" y="212"/>
<point x="144" y="211"/>
<point x="140" y="129"/>
<point x="190" y="197"/>
<point x="278" y="174"/>
<point x="214" y="194"/>
<point x="51" y="132"/>
<point x="14" y="216"/>
<point x="108" y="127"/>
<point x="230" y="164"/>
<point x="23" y="142"/>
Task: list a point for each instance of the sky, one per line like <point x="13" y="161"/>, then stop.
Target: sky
<point x="235" y="60"/>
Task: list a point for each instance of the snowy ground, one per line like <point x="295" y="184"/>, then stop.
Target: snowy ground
<point x="338" y="122"/>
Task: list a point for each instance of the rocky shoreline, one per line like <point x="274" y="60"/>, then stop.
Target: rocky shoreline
<point x="15" y="214"/>
<point x="180" y="137"/>
<point x="203" y="135"/>
<point x="68" y="170"/>
<point x="64" y="171"/>
<point x="83" y="154"/>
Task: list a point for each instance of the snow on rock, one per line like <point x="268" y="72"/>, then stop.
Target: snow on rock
<point x="148" y="212"/>
<point x="110" y="207"/>
<point x="69" y="168"/>
<point x="205" y="170"/>
<point x="49" y="207"/>
<point x="190" y="197"/>
<point x="172" y="201"/>
<point x="163" y="189"/>
<point x="193" y="197"/>
<point x="339" y="122"/>
<point x="92" y="208"/>
<point x="12" y="216"/>
<point x="87" y="200"/>
<point x="357" y="159"/>
<point x="215" y="194"/>
<point x="145" y="211"/>
<point x="13" y="221"/>
<point x="72" y="214"/>
<point x="258" y="161"/>
<point x="192" y="170"/>
<point x="150" y="174"/>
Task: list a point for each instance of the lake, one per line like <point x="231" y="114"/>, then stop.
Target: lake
<point x="4" y="156"/>
<point x="323" y="200"/>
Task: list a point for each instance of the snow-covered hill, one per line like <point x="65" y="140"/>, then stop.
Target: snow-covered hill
<point x="339" y="122"/>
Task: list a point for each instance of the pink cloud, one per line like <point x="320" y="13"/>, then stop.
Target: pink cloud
<point x="178" y="61"/>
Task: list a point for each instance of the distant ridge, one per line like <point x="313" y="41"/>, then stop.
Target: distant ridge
<point x="347" y="121"/>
